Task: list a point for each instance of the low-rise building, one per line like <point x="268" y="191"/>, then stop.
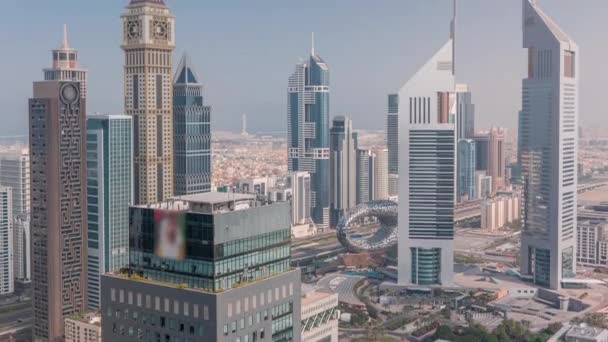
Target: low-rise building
<point x="319" y="315"/>
<point x="585" y="333"/>
<point x="500" y="211"/>
<point x="83" y="328"/>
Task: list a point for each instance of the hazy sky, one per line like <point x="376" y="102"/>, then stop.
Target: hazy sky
<point x="245" y="50"/>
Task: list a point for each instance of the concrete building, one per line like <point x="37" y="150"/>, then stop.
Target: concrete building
<point x="496" y="158"/>
<point x="483" y="184"/>
<point x="65" y="66"/>
<point x="319" y="315"/>
<point x="15" y="174"/>
<point x="372" y="180"/>
<point x="258" y="186"/>
<point x="221" y="273"/>
<point x="393" y="186"/>
<point x="500" y="211"/>
<point x="148" y="39"/>
<point x="57" y="129"/>
<point x="110" y="192"/>
<point x="589" y="234"/>
<point x="22" y="249"/>
<point x="299" y="183"/>
<point x="466" y="171"/>
<point x="549" y="150"/>
<point x="7" y="275"/>
<point x="380" y="177"/>
<point x="308" y="130"/>
<point x="427" y="171"/>
<point x="586" y="333"/>
<point x="191" y="132"/>
<point x="83" y="328"/>
<point x="342" y="168"/>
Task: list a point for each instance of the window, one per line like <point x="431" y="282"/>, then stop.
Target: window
<point x="262" y="333"/>
<point x="225" y="329"/>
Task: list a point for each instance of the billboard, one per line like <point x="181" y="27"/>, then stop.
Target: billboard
<point x="169" y="234"/>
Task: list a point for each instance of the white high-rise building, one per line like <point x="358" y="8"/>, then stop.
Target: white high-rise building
<point x="427" y="177"/>
<point x="7" y="279"/>
<point x="549" y="150"/>
<point x="22" y="255"/>
<point x="148" y="30"/>
<point x="15" y="174"/>
<point x="380" y="177"/>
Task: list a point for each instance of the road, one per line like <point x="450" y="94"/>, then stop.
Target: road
<point x="15" y="321"/>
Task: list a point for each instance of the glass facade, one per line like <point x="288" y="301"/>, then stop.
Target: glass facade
<point x="542" y="266"/>
<point x="191" y="133"/>
<point x="426" y="266"/>
<point x="466" y="170"/>
<point x="109" y="194"/>
<point x="207" y="264"/>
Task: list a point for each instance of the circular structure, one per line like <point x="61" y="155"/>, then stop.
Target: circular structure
<point x="383" y="238"/>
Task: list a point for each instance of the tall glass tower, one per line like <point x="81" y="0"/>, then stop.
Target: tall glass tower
<point x="191" y="132"/>
<point x="308" y="130"/>
<point x="343" y="165"/>
<point x="549" y="122"/>
<point x="466" y="170"/>
<point x="427" y="175"/>
<point x="109" y="193"/>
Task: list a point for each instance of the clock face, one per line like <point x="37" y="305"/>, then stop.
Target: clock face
<point x="133" y="29"/>
<point x="69" y="93"/>
<point x="160" y="30"/>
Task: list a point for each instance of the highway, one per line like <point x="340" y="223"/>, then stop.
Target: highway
<point x="15" y="321"/>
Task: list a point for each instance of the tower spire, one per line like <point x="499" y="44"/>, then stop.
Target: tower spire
<point x="312" y="49"/>
<point x="64" y="44"/>
<point x="453" y="37"/>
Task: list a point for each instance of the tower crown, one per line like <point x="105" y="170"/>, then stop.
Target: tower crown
<point x="65" y="57"/>
<point x="156" y="2"/>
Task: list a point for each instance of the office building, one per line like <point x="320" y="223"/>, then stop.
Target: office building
<point x="483" y="184"/>
<point x="496" y="157"/>
<point x="482" y="151"/>
<point x="466" y="170"/>
<point x="549" y="150"/>
<point x="427" y="171"/>
<point x="393" y="186"/>
<point x="319" y="315"/>
<point x="15" y="174"/>
<point x="212" y="267"/>
<point x="585" y="333"/>
<point x="392" y="134"/>
<point x="591" y="236"/>
<point x="148" y="30"/>
<point x="342" y="168"/>
<point x="83" y="328"/>
<point x="7" y="275"/>
<point x="22" y="255"/>
<point x="465" y="113"/>
<point x="65" y="66"/>
<point x="58" y="224"/>
<point x="299" y="183"/>
<point x="258" y="186"/>
<point x="191" y="132"/>
<point x="308" y="130"/>
<point x="109" y="191"/>
<point x="372" y="178"/>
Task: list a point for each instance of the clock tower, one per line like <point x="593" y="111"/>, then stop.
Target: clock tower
<point x="148" y="39"/>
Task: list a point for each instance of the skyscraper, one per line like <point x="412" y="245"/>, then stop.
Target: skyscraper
<point x="364" y="176"/>
<point x="191" y="132"/>
<point x="224" y="276"/>
<point x="22" y="255"/>
<point x="466" y="170"/>
<point x="308" y="130"/>
<point x="427" y="171"/>
<point x="148" y="31"/>
<point x="299" y="183"/>
<point x="7" y="276"/>
<point x="549" y="150"/>
<point x="392" y="134"/>
<point x="342" y="159"/>
<point x="58" y="205"/>
<point x="380" y="174"/>
<point x="65" y="66"/>
<point x="482" y="151"/>
<point x="496" y="157"/>
<point x="109" y="191"/>
<point x="465" y="113"/>
<point x="15" y="174"/>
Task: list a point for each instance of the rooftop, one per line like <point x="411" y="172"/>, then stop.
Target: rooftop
<point x="91" y="318"/>
<point x="207" y="203"/>
<point x="584" y="331"/>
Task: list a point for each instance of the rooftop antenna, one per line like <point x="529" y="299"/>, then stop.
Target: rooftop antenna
<point x="312" y="50"/>
<point x="64" y="44"/>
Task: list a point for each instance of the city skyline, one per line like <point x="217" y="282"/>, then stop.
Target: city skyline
<point x="99" y="49"/>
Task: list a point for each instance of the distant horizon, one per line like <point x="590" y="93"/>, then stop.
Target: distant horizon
<point x="367" y="61"/>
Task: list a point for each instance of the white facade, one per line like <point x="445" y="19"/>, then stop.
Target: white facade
<point x="299" y="183"/>
<point x="7" y="279"/>
<point x="381" y="181"/>
<point x="500" y="211"/>
<point x="15" y="174"/>
<point x="83" y="329"/>
<point x="427" y="163"/>
<point x="483" y="184"/>
<point x="549" y="150"/>
<point x="319" y="316"/>
<point x="22" y="256"/>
